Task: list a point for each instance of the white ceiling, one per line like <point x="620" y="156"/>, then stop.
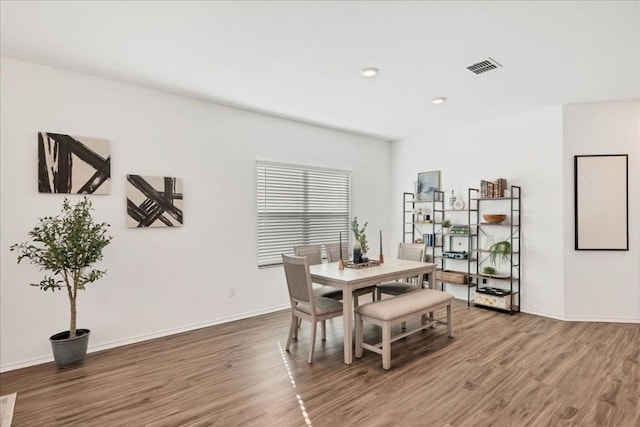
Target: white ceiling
<point x="302" y="59"/>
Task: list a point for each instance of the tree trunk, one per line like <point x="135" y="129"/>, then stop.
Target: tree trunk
<point x="72" y="326"/>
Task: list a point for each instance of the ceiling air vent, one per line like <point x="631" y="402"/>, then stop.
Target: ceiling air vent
<point x="484" y="66"/>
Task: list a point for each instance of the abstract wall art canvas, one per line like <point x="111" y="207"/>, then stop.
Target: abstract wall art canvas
<point x="154" y="201"/>
<point x="428" y="183"/>
<point x="73" y="164"/>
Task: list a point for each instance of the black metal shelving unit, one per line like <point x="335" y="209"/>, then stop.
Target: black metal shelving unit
<point x="408" y="226"/>
<point x="445" y="242"/>
<point x="481" y="254"/>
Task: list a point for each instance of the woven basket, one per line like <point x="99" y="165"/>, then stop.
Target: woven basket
<point x="453" y="277"/>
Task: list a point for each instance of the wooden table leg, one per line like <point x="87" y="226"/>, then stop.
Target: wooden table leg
<point x="347" y="319"/>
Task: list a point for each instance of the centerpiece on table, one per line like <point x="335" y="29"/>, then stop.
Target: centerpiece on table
<point x="360" y="246"/>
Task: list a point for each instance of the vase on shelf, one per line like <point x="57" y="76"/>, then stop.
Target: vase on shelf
<point x="452" y="200"/>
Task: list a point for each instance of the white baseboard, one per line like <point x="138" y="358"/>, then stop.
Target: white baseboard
<point x="602" y="319"/>
<point x="187" y="328"/>
<point x="146" y="337"/>
<point x="597" y="319"/>
<point x="542" y="314"/>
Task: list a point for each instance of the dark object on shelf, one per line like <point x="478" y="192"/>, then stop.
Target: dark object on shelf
<point x="493" y="291"/>
<point x="455" y="254"/>
<point x="370" y="263"/>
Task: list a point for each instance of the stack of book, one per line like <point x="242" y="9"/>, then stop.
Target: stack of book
<point x="428" y="239"/>
<point x="492" y="189"/>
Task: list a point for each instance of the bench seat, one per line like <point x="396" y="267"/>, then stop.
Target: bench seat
<point x="388" y="312"/>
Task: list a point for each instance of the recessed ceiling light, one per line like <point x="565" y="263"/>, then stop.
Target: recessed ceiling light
<point x="439" y="100"/>
<point x="369" y="71"/>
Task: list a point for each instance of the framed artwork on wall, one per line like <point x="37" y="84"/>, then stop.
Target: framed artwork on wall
<point x="73" y="164"/>
<point x="154" y="201"/>
<point x="601" y="185"/>
<point x="428" y="183"/>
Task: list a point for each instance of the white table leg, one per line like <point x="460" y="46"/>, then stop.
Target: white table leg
<point x="347" y="318"/>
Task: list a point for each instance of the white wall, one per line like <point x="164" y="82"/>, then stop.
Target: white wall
<point x="159" y="281"/>
<point x="535" y="150"/>
<point x="525" y="149"/>
<point x="602" y="285"/>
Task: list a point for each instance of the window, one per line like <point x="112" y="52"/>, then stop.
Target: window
<point x="299" y="205"/>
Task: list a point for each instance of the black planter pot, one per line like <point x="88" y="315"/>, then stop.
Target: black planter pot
<point x="69" y="351"/>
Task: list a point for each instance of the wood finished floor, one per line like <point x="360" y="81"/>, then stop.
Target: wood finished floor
<point x="499" y="370"/>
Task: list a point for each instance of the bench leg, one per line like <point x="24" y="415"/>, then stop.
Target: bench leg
<point x="386" y="346"/>
<point x="324" y="330"/>
<point x="359" y="335"/>
<point x="449" y="323"/>
<point x="428" y="318"/>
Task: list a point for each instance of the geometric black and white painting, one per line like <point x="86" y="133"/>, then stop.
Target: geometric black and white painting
<point x="73" y="164"/>
<point x="154" y="201"/>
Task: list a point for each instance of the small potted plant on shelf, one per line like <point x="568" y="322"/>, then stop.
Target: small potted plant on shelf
<point x="488" y="270"/>
<point x="67" y="246"/>
<point x="360" y="246"/>
<point x="446" y="226"/>
<point x="500" y="252"/>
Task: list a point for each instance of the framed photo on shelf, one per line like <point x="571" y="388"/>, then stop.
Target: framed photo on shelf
<point x="428" y="183"/>
<point x="601" y="202"/>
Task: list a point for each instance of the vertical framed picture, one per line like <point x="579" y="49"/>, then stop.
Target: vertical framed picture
<point x="428" y="183"/>
<point x="601" y="202"/>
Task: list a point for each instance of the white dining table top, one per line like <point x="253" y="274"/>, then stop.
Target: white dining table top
<point x="391" y="269"/>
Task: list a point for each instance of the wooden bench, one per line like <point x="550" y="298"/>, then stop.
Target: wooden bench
<point x="388" y="312"/>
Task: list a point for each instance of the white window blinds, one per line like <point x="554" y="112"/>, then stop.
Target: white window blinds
<point x="299" y="205"/>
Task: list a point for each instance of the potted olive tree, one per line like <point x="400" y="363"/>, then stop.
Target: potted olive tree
<point x="67" y="246"/>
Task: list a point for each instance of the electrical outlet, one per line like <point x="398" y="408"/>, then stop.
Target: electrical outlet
<point x="232" y="292"/>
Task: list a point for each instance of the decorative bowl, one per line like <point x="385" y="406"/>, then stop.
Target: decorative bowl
<point x="494" y="218"/>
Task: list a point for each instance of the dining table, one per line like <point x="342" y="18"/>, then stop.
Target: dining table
<point x="350" y="279"/>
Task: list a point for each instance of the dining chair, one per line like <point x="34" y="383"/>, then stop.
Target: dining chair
<point x="313" y="253"/>
<point x="304" y="305"/>
<point x="333" y="251"/>
<point x="333" y="255"/>
<point x="411" y="252"/>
